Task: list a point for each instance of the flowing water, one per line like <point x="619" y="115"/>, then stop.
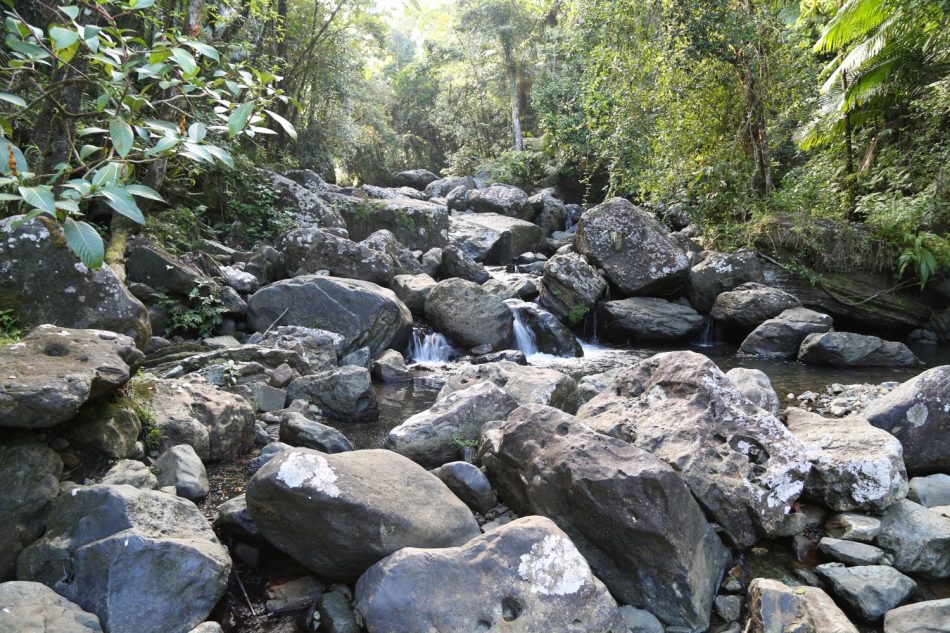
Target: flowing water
<point x="429" y="348"/>
<point x="525" y="340"/>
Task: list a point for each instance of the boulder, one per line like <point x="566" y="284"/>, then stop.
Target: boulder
<point x="298" y="430"/>
<point x="774" y="607"/>
<point x="217" y="424"/>
<point x="30" y="475"/>
<point x="153" y="267"/>
<point x="748" y="305"/>
<point x="632" y="247"/>
<point x="234" y="517"/>
<point x="362" y="312"/>
<point x="844" y="349"/>
<point x="180" y="466"/>
<point x="385" y="243"/>
<point x="457" y="263"/>
<point x="417" y="224"/>
<point x="718" y="273"/>
<point x="853" y="527"/>
<point x="917" y="538"/>
<point x="781" y="337"/>
<point x="31" y="607"/>
<point x="309" y="251"/>
<point x="391" y="367"/>
<point x="501" y="199"/>
<point x="318" y="349"/>
<point x="340" y="514"/>
<point x="469" y="484"/>
<point x="492" y="238"/>
<point x="304" y="207"/>
<point x="53" y="371"/>
<point x="240" y="280"/>
<point x="344" y="394"/>
<point x="415" y="178"/>
<point x="931" y="491"/>
<point x="392" y="193"/>
<point x="570" y="287"/>
<point x="308" y="179"/>
<point x="755" y="385"/>
<point x="550" y="335"/>
<point x="412" y="290"/>
<point x="855" y="466"/>
<point x="130" y="472"/>
<point x="870" y="591"/>
<point x="141" y="560"/>
<point x="432" y="437"/>
<point x="743" y="465"/>
<point x="850" y="552"/>
<point x="523" y="576"/>
<point x="467" y="314"/>
<point x="918" y="414"/>
<point x="550" y="213"/>
<point x="514" y="286"/>
<point x="932" y="616"/>
<point x="648" y="320"/>
<point x="41" y="281"/>
<point x="655" y="550"/>
<point x="526" y="384"/>
<point x="441" y="187"/>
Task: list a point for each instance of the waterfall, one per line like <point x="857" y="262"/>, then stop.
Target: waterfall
<point x="709" y="336"/>
<point x="429" y="348"/>
<point x="524" y="337"/>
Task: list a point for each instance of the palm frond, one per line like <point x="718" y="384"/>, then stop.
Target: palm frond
<point x="854" y="20"/>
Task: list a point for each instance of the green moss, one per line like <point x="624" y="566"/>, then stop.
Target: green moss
<point x="136" y="398"/>
<point x="577" y="314"/>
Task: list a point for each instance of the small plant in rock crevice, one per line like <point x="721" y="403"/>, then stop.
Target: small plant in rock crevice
<point x="200" y="316"/>
<point x="9" y="328"/>
<point x="463" y="442"/>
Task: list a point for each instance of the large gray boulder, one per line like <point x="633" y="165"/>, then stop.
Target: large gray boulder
<point x="632" y="247"/>
<point x="550" y="213"/>
<point x="441" y="187"/>
<point x="340" y="514"/>
<point x="344" y="394"/>
<point x="931" y="491"/>
<point x="917" y="414"/>
<point x="180" y="467"/>
<point x="309" y="179"/>
<point x="743" y="465"/>
<point x="869" y="590"/>
<point x="457" y="263"/>
<point x="526" y="384"/>
<point x="298" y="430"/>
<point x="53" y="371"/>
<point x="844" y="349"/>
<point x="41" y="281"/>
<point x="31" y="607"/>
<point x="141" y="560"/>
<point x="750" y="304"/>
<point x="469" y="484"/>
<point x="412" y="290"/>
<point x="570" y="287"/>
<point x="781" y="337"/>
<point x="718" y="273"/>
<point x="385" y="243"/>
<point x="501" y="199"/>
<point x="147" y="264"/>
<point x="308" y="251"/>
<point x="469" y="315"/>
<point x="318" y="349"/>
<point x="365" y="314"/>
<point x="417" y="224"/>
<point x="108" y="428"/>
<point x="755" y="385"/>
<point x="918" y="538"/>
<point x="855" y="466"/>
<point x="493" y="238"/>
<point x="649" y="320"/>
<point x="774" y="607"/>
<point x="415" y="178"/>
<point x="654" y="550"/>
<point x="550" y="335"/>
<point x="431" y="437"/>
<point x="523" y="576"/>
<point x="304" y="207"/>
<point x="932" y="616"/>
<point x="30" y="475"/>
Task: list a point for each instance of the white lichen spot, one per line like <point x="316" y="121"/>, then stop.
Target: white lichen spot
<point x="69" y="290"/>
<point x="81" y="267"/>
<point x="917" y="414"/>
<point x="872" y="480"/>
<point x="553" y="567"/>
<point x="308" y="469"/>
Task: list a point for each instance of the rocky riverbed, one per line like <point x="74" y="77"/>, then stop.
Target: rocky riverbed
<point x="453" y="406"/>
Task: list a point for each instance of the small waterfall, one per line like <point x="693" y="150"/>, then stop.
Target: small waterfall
<point x="710" y="335"/>
<point x="429" y="348"/>
<point x="525" y="339"/>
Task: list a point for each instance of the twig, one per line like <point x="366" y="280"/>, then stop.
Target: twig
<point x="250" y="606"/>
<point x="275" y="321"/>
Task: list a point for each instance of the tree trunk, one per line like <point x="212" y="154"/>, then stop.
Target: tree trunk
<point x="515" y="107"/>
<point x="848" y="155"/>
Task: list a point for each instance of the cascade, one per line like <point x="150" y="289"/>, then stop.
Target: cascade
<point x="429" y="348"/>
<point x="525" y="339"/>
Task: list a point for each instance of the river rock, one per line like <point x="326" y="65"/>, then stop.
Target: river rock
<point x="53" y="371"/>
<point x="523" y="576"/>
<point x="392" y="193"/>
<point x="750" y="304"/>
<point x="918" y="414"/>
<point x="742" y="464"/>
<point x="441" y="187"/>
<point x="780" y="338"/>
<point x="549" y="333"/>
<point x="217" y="424"/>
<point x="932" y="616"/>
<point x="501" y="199"/>
<point x="417" y="224"/>
<point x="141" y="560"/>
<point x="917" y="538"/>
<point x="755" y="385"/>
<point x="308" y="251"/>
<point x="415" y="178"/>
<point x="31" y="607"/>
<point x="718" y="273"/>
<point x="570" y="287"/>
<point x="469" y="315"/>
<point x="309" y="179"/>
<point x="494" y="239"/>
<point x="544" y="461"/>
<point x="180" y="466"/>
<point x="850" y="552"/>
<point x="41" y="281"/>
<point x="106" y="428"/>
<point x="305" y="208"/>
<point x="234" y="517"/>
<point x="30" y="475"/>
<point x="318" y="349"/>
<point x="853" y="527"/>
<point x="871" y="590"/>
<point x="550" y="213"/>
<point x="362" y="312"/>
<point x="391" y="367"/>
<point x="844" y="349"/>
<point x="648" y="320"/>
<point x="931" y="491"/>
<point x="457" y="263"/>
<point x="157" y="269"/>
<point x="632" y="247"/>
<point x="526" y="384"/>
<point x="430" y="437"/>
<point x="130" y="472"/>
<point x="298" y="430"/>
<point x="340" y="514"/>
<point x="774" y="607"/>
<point x="412" y="290"/>
<point x="855" y="466"/>
<point x="344" y="394"/>
<point x="385" y="243"/>
<point x="469" y="484"/>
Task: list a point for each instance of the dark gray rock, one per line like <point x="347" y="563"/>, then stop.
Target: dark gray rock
<point x="654" y="551"/>
<point x="469" y="484"/>
<point x="417" y="224"/>
<point x="648" y="320"/>
<point x="159" y="270"/>
<point x="853" y="527"/>
<point x="493" y="238"/>
<point x="31" y="607"/>
<point x="266" y="454"/>
<point x="180" y="466"/>
<point x="550" y="213"/>
<point x="318" y="349"/>
<point x="30" y="475"/>
<point x="917" y="538"/>
<point x="570" y="287"/>
<point x="304" y="207"/>
<point x="850" y="552"/>
<point x="309" y="251"/>
<point x="385" y="243"/>
<point x="308" y="179"/>
<point x="781" y="337"/>
<point x="718" y="273"/>
<point x="130" y="472"/>
<point x="298" y="430"/>
<point x="440" y="188"/>
<point x="340" y="514"/>
<point x="391" y="367"/>
<point x="336" y="615"/>
<point x="844" y="349"/>
<point x="234" y="517"/>
<point x="514" y="286"/>
<point x="415" y="178"/>
<point x="871" y="591"/>
<point x="457" y="263"/>
<point x="344" y="394"/>
<point x="750" y="304"/>
<point x="467" y="314"/>
<point x="362" y="357"/>
<point x="107" y="428"/>
<point x="500" y="199"/>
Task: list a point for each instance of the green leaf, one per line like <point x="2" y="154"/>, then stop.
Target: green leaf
<point x="221" y="154"/>
<point x="6" y="148"/>
<point x="239" y="117"/>
<point x="88" y="150"/>
<point x="122" y="201"/>
<point x="86" y="131"/>
<point x="185" y="60"/>
<point x="9" y="197"/>
<point x="121" y="133"/>
<point x="40" y="197"/>
<point x="197" y="132"/>
<point x="69" y="206"/>
<point x="144" y="192"/>
<point x="163" y="145"/>
<point x="204" y="49"/>
<point x="85" y="242"/>
<point x="15" y="100"/>
<point x="62" y="38"/>
<point x="284" y="123"/>
<point x="140" y="4"/>
<point x="71" y="12"/>
<point x="107" y="175"/>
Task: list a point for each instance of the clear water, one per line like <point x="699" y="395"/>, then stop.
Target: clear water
<point x="525" y="340"/>
<point x="429" y="348"/>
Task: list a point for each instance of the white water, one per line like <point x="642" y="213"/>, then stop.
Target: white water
<point x="525" y="339"/>
<point x="432" y="348"/>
